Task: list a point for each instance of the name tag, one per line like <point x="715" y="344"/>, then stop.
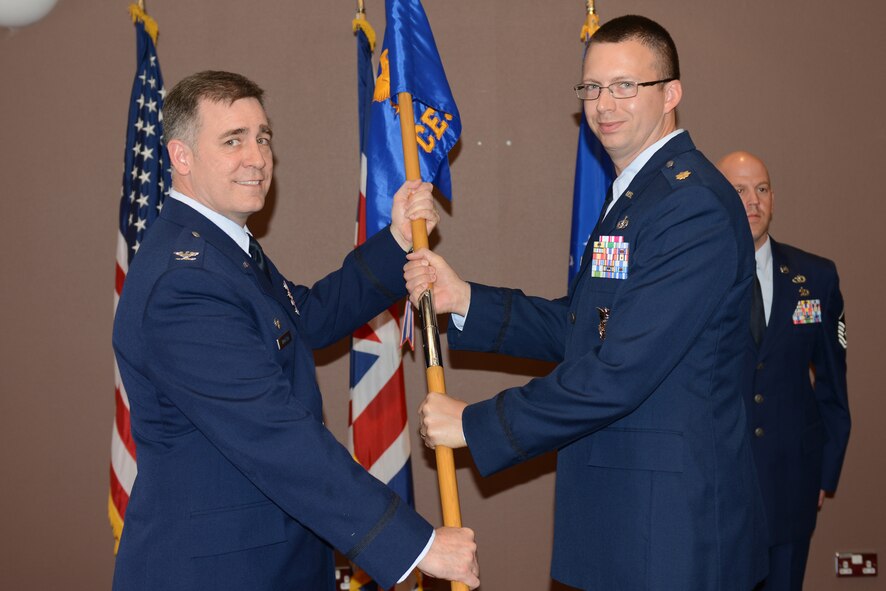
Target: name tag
<point x="807" y="312"/>
<point x="610" y="258"/>
<point x="284" y="340"/>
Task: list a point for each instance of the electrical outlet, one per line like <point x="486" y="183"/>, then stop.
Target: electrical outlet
<point x="856" y="564"/>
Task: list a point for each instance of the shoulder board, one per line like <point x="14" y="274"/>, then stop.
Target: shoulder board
<point x="680" y="172"/>
<point x="188" y="249"/>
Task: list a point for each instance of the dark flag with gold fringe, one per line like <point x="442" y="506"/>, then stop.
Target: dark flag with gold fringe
<point x="593" y="173"/>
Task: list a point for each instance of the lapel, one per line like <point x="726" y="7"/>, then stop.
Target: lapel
<point x="783" y="300"/>
<point x="194" y="221"/>
<point x="635" y="191"/>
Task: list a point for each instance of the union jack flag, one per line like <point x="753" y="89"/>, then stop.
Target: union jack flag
<point x="378" y="434"/>
<point x="146" y="181"/>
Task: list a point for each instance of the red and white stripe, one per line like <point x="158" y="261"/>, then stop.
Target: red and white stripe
<point x="123" y="466"/>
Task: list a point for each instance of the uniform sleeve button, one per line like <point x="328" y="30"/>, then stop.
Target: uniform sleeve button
<point x="758" y="398"/>
<point x="572" y="317"/>
<point x="759" y="366"/>
<point x="758" y="432"/>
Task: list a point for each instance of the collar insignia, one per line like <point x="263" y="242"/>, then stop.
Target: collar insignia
<point x="798" y="279"/>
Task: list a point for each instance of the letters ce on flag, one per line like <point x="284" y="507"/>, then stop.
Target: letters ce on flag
<point x="409" y="62"/>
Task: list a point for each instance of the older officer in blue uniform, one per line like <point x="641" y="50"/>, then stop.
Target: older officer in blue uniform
<point x="240" y="485"/>
<point x="800" y="425"/>
<point x="656" y="488"/>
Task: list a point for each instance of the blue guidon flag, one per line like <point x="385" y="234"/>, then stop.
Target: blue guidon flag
<point x="409" y="62"/>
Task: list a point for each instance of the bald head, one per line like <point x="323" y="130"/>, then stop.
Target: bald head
<point x="749" y="176"/>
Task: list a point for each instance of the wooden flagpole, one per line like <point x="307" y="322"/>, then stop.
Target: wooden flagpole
<point x="431" y="337"/>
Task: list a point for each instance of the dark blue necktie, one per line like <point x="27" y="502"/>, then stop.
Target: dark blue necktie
<point x="758" y="314"/>
<point x="606" y="203"/>
<point x="258" y="255"/>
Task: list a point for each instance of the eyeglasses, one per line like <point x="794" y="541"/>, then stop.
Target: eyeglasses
<point x="620" y="90"/>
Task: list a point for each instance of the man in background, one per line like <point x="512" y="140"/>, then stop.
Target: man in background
<point x="798" y="410"/>
<point x="240" y="485"/>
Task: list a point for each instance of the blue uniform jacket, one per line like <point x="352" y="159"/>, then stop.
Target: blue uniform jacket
<point x="240" y="485"/>
<point x="656" y="487"/>
<point x="800" y="427"/>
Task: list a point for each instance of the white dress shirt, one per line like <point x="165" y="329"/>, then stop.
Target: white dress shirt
<point x="239" y="234"/>
<point x="763" y="256"/>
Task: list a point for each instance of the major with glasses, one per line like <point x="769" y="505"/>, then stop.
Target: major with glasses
<point x="656" y="487"/>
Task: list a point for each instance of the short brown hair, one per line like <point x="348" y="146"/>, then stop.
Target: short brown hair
<point x="649" y="33"/>
<point x="180" y="106"/>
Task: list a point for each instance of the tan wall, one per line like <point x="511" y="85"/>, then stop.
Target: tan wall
<point x="799" y="82"/>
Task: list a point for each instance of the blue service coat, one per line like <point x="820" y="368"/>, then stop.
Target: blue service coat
<point x="800" y="427"/>
<point x="656" y="487"/>
<point x="240" y="485"/>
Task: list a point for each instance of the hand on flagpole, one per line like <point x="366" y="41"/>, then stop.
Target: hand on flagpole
<point x="453" y="556"/>
<point x="451" y="293"/>
<point x="441" y="422"/>
<point x="412" y="201"/>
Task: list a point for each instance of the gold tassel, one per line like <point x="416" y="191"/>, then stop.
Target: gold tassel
<point x="138" y="14"/>
<point x="383" y="82"/>
<point x="116" y="522"/>
<point x="361" y="23"/>
<point x="590" y="27"/>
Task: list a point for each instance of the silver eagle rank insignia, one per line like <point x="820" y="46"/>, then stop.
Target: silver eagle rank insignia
<point x="185" y="255"/>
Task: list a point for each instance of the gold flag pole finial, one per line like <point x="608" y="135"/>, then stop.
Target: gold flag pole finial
<point x="137" y="12"/>
<point x="592" y="22"/>
<point x="360" y="23"/>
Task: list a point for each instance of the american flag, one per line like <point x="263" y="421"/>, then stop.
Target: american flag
<point x="146" y="181"/>
<point x="378" y="434"/>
